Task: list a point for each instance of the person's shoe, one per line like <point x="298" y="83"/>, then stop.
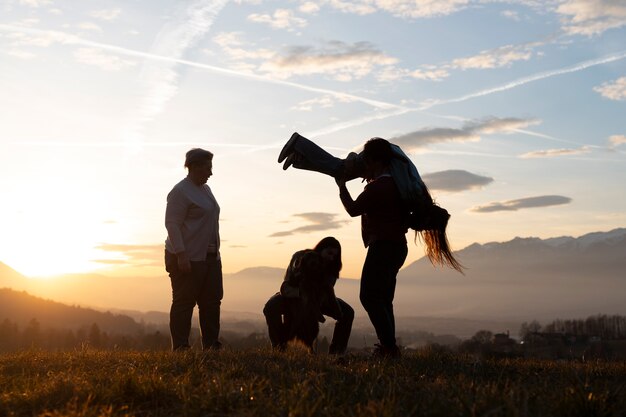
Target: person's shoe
<point x="386" y="352"/>
<point x="214" y="346"/>
<point x="288" y="148"/>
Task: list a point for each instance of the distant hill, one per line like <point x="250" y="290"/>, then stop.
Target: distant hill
<point x="525" y="278"/>
<point x="518" y="280"/>
<point x="21" y="308"/>
<point x="10" y="278"/>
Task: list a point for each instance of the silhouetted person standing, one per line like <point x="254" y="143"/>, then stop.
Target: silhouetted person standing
<point x="192" y="256"/>
<point x="384" y="220"/>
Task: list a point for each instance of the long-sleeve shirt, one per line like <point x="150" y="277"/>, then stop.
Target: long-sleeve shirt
<point x="383" y="214"/>
<point x="192" y="220"/>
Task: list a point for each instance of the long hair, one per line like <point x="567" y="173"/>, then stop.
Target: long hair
<point x="330" y="242"/>
<point x="430" y="222"/>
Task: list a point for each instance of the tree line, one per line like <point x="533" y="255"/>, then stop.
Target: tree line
<point x="606" y="327"/>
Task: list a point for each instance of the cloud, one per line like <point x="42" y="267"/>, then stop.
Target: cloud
<point x="281" y="19"/>
<point x="428" y="73"/>
<point x="35" y="3"/>
<point x="89" y="26"/>
<point x="455" y="180"/>
<point x="613" y="90"/>
<point x="523" y="203"/>
<point x="617" y="140"/>
<point x="421" y="8"/>
<point x="309" y="7"/>
<point x="160" y="79"/>
<point x="106" y="14"/>
<point x="500" y="125"/>
<point x="550" y="153"/>
<point x="470" y="132"/>
<point x="320" y="221"/>
<point x="511" y="14"/>
<point x="40" y="39"/>
<point x="340" y="60"/>
<point x="422" y="138"/>
<point x="495" y="58"/>
<point x="100" y="59"/>
<point x="320" y="102"/>
<point x="427" y="104"/>
<point x="356" y="7"/>
<point x="20" y="54"/>
<point x="410" y="9"/>
<point x="435" y="74"/>
<point x="135" y="255"/>
<point x="591" y="17"/>
<point x="503" y="56"/>
<point x="231" y="44"/>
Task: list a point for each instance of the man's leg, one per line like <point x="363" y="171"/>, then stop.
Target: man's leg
<point x="183" y="299"/>
<point x="210" y="296"/>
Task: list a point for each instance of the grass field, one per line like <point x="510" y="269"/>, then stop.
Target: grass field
<point x="264" y="383"/>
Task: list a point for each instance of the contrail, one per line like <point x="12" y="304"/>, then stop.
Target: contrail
<point x="525" y="80"/>
<point x="121" y="144"/>
<point x="173" y="40"/>
<point x="65" y="38"/>
<point x="513" y="84"/>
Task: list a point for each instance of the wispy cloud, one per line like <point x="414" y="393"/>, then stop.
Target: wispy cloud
<point x="525" y="80"/>
<point x="280" y="19"/>
<point x="392" y="109"/>
<point x="613" y="90"/>
<point x="471" y="131"/>
<point x="89" y="26"/>
<point x="427" y="72"/>
<point x="410" y="9"/>
<point x="511" y="14"/>
<point x="318" y="102"/>
<point x="20" y="54"/>
<point x="551" y="153"/>
<point x="495" y="58"/>
<point x="101" y="59"/>
<point x="135" y="255"/>
<point x="319" y="221"/>
<point x="35" y="3"/>
<point x="106" y="14"/>
<point x="160" y="79"/>
<point x="339" y="60"/>
<point x="591" y="17"/>
<point x="355" y="7"/>
<point x="617" y="140"/>
<point x="309" y="7"/>
<point x="233" y="47"/>
<point x="523" y="203"/>
<point x="455" y="180"/>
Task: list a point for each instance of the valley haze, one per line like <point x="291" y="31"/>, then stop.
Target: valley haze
<point x="505" y="284"/>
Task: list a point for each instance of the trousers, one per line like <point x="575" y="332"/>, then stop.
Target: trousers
<point x="277" y="313"/>
<point x="378" y="285"/>
<point x="203" y="287"/>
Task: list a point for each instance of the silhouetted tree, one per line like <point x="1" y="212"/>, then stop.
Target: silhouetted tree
<point x="9" y="335"/>
<point x="95" y="336"/>
<point x="31" y="336"/>
<point x="528" y="328"/>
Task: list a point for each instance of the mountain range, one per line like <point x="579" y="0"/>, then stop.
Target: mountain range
<point x="519" y="280"/>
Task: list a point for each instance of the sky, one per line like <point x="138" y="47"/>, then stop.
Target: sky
<point x="514" y="112"/>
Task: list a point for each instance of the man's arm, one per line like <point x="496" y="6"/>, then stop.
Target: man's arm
<point x="175" y="213"/>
